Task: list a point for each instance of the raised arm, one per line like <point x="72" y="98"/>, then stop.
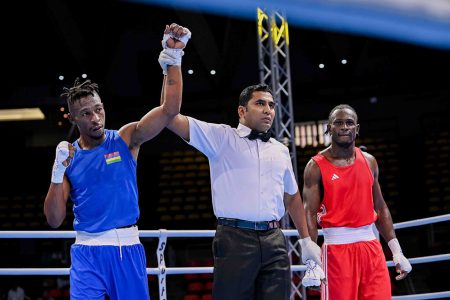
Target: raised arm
<point x="311" y="196"/>
<point x="174" y="40"/>
<point x="178" y="124"/>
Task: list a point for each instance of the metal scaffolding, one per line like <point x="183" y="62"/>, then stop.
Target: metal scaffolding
<point x="274" y="70"/>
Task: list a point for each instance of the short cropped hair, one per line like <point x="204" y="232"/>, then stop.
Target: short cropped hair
<point x="246" y="94"/>
<point x="339" y="107"/>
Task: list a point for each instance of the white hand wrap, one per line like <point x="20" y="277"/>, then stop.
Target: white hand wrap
<point x="310" y="250"/>
<point x="170" y="57"/>
<point x="313" y="274"/>
<point x="184" y="38"/>
<point x="166" y="36"/>
<point x="62" y="152"/>
<point x="398" y="257"/>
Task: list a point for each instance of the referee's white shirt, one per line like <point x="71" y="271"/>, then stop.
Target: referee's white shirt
<point x="248" y="178"/>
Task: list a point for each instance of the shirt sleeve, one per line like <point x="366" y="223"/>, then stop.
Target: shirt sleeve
<point x="208" y="138"/>
<point x="290" y="183"/>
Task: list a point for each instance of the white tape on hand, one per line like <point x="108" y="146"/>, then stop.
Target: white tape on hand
<point x="60" y="165"/>
<point x="313" y="274"/>
<point x="310" y="250"/>
<point x="398" y="257"/>
<point x="166" y="36"/>
<point x="183" y="38"/>
<point x="170" y="57"/>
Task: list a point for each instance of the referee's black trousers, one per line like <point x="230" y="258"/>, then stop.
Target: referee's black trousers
<point x="250" y="265"/>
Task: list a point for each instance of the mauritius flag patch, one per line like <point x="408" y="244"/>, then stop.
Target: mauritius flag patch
<point x="112" y="158"/>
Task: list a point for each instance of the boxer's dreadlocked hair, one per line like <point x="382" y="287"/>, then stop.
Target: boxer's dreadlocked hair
<point x="79" y="90"/>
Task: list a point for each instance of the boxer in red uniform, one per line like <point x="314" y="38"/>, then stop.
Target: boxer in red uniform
<point x="341" y="193"/>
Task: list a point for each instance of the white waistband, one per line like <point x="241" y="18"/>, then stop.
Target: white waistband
<point x="114" y="237"/>
<point x="347" y="235"/>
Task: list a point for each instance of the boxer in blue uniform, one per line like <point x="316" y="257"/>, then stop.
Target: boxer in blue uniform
<point x="98" y="172"/>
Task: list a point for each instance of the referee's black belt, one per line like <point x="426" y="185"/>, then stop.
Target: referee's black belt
<point x="263" y="225"/>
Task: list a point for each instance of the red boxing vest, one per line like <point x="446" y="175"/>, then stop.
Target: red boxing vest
<point x="347" y="200"/>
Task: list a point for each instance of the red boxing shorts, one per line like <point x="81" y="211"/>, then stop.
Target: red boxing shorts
<point x="355" y="271"/>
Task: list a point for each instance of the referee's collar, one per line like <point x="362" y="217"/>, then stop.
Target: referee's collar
<point x="243" y="131"/>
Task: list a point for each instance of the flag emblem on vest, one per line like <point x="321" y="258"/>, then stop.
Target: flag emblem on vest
<point x="112" y="158"/>
<point x="334" y="177"/>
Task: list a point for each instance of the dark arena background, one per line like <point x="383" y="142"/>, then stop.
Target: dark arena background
<point x="395" y="75"/>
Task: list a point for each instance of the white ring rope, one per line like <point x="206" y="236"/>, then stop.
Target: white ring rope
<point x="192" y="270"/>
<point x="45" y="234"/>
<point x="424" y="296"/>
<point x="163" y="234"/>
<point x="424" y="221"/>
<point x="424" y="259"/>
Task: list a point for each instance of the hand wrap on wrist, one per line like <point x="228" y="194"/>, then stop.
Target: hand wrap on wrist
<point x="310" y="250"/>
<point x="170" y="57"/>
<point x="62" y="153"/>
<point x="313" y="274"/>
<point x="398" y="257"/>
<point x="184" y="38"/>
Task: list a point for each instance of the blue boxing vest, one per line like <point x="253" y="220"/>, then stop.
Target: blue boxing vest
<point x="103" y="185"/>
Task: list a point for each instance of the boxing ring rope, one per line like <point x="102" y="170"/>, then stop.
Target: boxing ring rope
<point x="163" y="234"/>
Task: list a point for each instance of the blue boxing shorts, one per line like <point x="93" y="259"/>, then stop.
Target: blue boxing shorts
<point x="109" y="263"/>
